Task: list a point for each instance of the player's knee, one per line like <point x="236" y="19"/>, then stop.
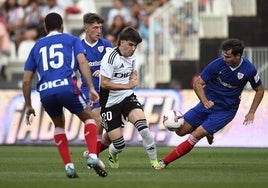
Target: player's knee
<point x="180" y="132"/>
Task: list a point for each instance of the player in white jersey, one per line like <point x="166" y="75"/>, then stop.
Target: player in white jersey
<point x="117" y="98"/>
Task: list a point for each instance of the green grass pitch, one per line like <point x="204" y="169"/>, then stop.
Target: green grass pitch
<point x="41" y="167"/>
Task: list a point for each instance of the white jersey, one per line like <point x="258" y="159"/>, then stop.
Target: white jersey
<point x="118" y="69"/>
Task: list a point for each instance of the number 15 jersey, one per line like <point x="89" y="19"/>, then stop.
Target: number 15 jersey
<point x="53" y="58"/>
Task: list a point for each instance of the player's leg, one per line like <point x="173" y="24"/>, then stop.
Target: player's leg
<point x="183" y="148"/>
<point x="55" y="112"/>
<point x="214" y="121"/>
<point x="138" y="119"/>
<point x="111" y="121"/>
<point x="188" y="129"/>
<point x="78" y="105"/>
<point x="61" y="141"/>
<point x="117" y="146"/>
<point x="193" y="119"/>
<point x="90" y="133"/>
<point x="96" y="116"/>
<point x="105" y="142"/>
<point x="210" y="138"/>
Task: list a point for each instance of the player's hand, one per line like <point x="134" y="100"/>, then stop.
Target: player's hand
<point x="208" y="104"/>
<point x="96" y="73"/>
<point x="29" y="113"/>
<point x="133" y="83"/>
<point x="248" y="119"/>
<point x="134" y="76"/>
<point x="93" y="97"/>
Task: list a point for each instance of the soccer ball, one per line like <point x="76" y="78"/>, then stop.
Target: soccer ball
<point x="173" y="119"/>
<point x="85" y="154"/>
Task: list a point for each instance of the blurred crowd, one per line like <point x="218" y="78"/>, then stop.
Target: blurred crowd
<point x="23" y="20"/>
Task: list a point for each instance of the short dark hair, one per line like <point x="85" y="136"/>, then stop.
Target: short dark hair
<point x="236" y="45"/>
<point x="53" y="21"/>
<point x="131" y="34"/>
<point x="91" y="18"/>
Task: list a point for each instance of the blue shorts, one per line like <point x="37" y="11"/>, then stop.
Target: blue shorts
<point x="54" y="104"/>
<point x="211" y="120"/>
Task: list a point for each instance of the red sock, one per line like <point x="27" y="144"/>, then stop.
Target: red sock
<point x="180" y="150"/>
<point x="98" y="147"/>
<point x="62" y="145"/>
<point x="103" y="147"/>
<point x="90" y="133"/>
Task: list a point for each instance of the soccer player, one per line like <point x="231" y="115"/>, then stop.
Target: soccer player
<point x="117" y="98"/>
<point x="95" y="47"/>
<point x="219" y="89"/>
<point x="53" y="58"/>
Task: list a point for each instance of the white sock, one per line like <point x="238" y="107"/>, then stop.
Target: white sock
<point x="149" y="143"/>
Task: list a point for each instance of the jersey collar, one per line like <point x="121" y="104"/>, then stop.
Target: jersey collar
<point x="238" y="65"/>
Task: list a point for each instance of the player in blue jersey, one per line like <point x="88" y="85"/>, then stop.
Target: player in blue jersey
<point x="117" y="98"/>
<point x="53" y="58"/>
<point x="219" y="89"/>
<point x="95" y="47"/>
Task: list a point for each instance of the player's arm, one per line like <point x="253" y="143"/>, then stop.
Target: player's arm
<point x="255" y="103"/>
<point x="133" y="75"/>
<point x="106" y="83"/>
<point x="198" y="86"/>
<point x="85" y="71"/>
<point x="26" y="89"/>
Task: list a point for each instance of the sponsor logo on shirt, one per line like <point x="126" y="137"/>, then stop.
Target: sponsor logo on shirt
<point x="53" y="84"/>
<point x="95" y="63"/>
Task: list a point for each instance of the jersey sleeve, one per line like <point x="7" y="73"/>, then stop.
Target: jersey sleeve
<point x="254" y="78"/>
<point x="78" y="47"/>
<point x="106" y="68"/>
<point x="107" y="44"/>
<point x="209" y="71"/>
<point x="30" y="64"/>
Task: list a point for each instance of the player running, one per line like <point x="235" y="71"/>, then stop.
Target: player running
<point x="53" y="58"/>
<point x="117" y="98"/>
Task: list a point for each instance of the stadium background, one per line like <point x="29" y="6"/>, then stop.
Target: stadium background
<point x="171" y="90"/>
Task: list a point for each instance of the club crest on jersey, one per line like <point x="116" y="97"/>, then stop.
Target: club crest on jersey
<point x="101" y="48"/>
<point x="240" y="75"/>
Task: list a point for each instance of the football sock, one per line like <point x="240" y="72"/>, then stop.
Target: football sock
<point x="104" y="143"/>
<point x="149" y="144"/>
<point x="103" y="147"/>
<point x="62" y="145"/>
<point x="147" y="139"/>
<point x="90" y="133"/>
<point x="117" y="145"/>
<point x="99" y="144"/>
<point x="180" y="150"/>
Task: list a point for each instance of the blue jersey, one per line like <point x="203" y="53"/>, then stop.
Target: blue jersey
<point x="224" y="84"/>
<point x="53" y="58"/>
<point x="94" y="54"/>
